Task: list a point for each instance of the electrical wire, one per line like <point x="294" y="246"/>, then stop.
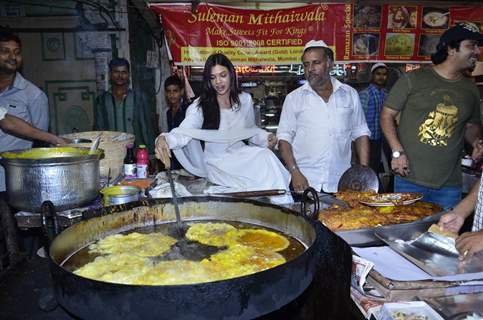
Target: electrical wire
<point x="101" y="10"/>
<point x="92" y="3"/>
<point x="93" y="6"/>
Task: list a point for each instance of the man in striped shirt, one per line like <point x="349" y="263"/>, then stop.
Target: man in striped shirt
<point x="21" y="128"/>
<point x="372" y="100"/>
<point x="468" y="243"/>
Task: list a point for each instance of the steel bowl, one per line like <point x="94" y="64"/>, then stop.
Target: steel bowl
<point x="119" y="195"/>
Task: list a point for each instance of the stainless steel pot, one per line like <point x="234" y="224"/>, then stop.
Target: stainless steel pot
<point x="69" y="177"/>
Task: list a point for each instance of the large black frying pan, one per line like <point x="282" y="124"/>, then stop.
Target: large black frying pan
<point x="239" y="298"/>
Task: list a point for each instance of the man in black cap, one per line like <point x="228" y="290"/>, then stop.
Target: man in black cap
<point x="439" y="109"/>
<point x="122" y="109"/>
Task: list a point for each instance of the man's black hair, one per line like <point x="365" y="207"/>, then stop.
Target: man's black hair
<point x="173" y="80"/>
<point x="118" y="62"/>
<point x="441" y="53"/>
<point x="7" y="35"/>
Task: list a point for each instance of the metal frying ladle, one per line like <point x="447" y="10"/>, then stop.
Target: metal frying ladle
<point x="183" y="248"/>
<point x="179" y="225"/>
<point x="95" y="144"/>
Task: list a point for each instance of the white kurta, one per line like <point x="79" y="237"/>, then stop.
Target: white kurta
<point x="232" y="164"/>
<point x="3" y="112"/>
<point x="321" y="132"/>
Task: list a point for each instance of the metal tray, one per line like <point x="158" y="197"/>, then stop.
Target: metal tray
<point x="433" y="262"/>
<point x="458" y="306"/>
<point x="26" y="220"/>
<point x="366" y="237"/>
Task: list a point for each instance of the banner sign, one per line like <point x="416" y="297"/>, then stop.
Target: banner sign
<point x="357" y="33"/>
<point x="248" y="37"/>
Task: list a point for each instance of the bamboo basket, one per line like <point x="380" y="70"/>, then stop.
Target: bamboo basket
<point x="114" y="145"/>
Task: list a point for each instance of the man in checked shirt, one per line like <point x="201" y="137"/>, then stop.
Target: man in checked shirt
<point x="372" y="100"/>
<point x="468" y="243"/>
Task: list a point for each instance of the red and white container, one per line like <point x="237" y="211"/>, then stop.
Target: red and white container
<point x="142" y="160"/>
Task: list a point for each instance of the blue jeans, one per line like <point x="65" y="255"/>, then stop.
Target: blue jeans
<point x="446" y="197"/>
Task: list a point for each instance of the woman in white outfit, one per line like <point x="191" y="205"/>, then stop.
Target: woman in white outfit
<point x="226" y="117"/>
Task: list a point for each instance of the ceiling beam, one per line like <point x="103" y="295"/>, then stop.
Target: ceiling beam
<point x="148" y="15"/>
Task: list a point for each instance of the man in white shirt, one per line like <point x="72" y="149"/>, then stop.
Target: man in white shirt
<point x="20" y="128"/>
<point x="318" y="123"/>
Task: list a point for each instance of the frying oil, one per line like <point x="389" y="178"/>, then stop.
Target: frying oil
<point x="83" y="256"/>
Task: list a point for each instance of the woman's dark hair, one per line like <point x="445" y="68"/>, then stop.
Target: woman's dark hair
<point x="442" y="51"/>
<point x="208" y="102"/>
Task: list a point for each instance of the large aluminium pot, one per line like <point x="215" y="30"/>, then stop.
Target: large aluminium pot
<point x="244" y="297"/>
<point x="68" y="177"/>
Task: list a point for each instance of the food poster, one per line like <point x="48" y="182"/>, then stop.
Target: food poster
<point x="403" y="33"/>
<point x="396" y="32"/>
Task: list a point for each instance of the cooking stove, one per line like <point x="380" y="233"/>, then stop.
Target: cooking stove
<point x="326" y="298"/>
<point x="27" y="291"/>
<point x="66" y="218"/>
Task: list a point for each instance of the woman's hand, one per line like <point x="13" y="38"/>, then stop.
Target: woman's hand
<point x="272" y="140"/>
<point x="162" y="151"/>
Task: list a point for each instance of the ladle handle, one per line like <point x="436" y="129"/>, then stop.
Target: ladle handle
<point x="307" y="201"/>
<point x="95" y="144"/>
<point x="174" y="199"/>
<point x="167" y="159"/>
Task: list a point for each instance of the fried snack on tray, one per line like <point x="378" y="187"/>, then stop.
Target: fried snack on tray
<point x="396" y="199"/>
<point x="352" y="198"/>
<point x="436" y="229"/>
<point x="361" y="216"/>
<point x="353" y="218"/>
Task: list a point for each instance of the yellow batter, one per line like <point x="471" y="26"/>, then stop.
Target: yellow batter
<point x="210" y="233"/>
<point x="125" y="258"/>
<point x="140" y="244"/>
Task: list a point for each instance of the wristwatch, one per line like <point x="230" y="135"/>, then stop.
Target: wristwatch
<point x="396" y="154"/>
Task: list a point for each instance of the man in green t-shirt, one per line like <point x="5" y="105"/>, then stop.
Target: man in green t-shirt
<point x="439" y="108"/>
